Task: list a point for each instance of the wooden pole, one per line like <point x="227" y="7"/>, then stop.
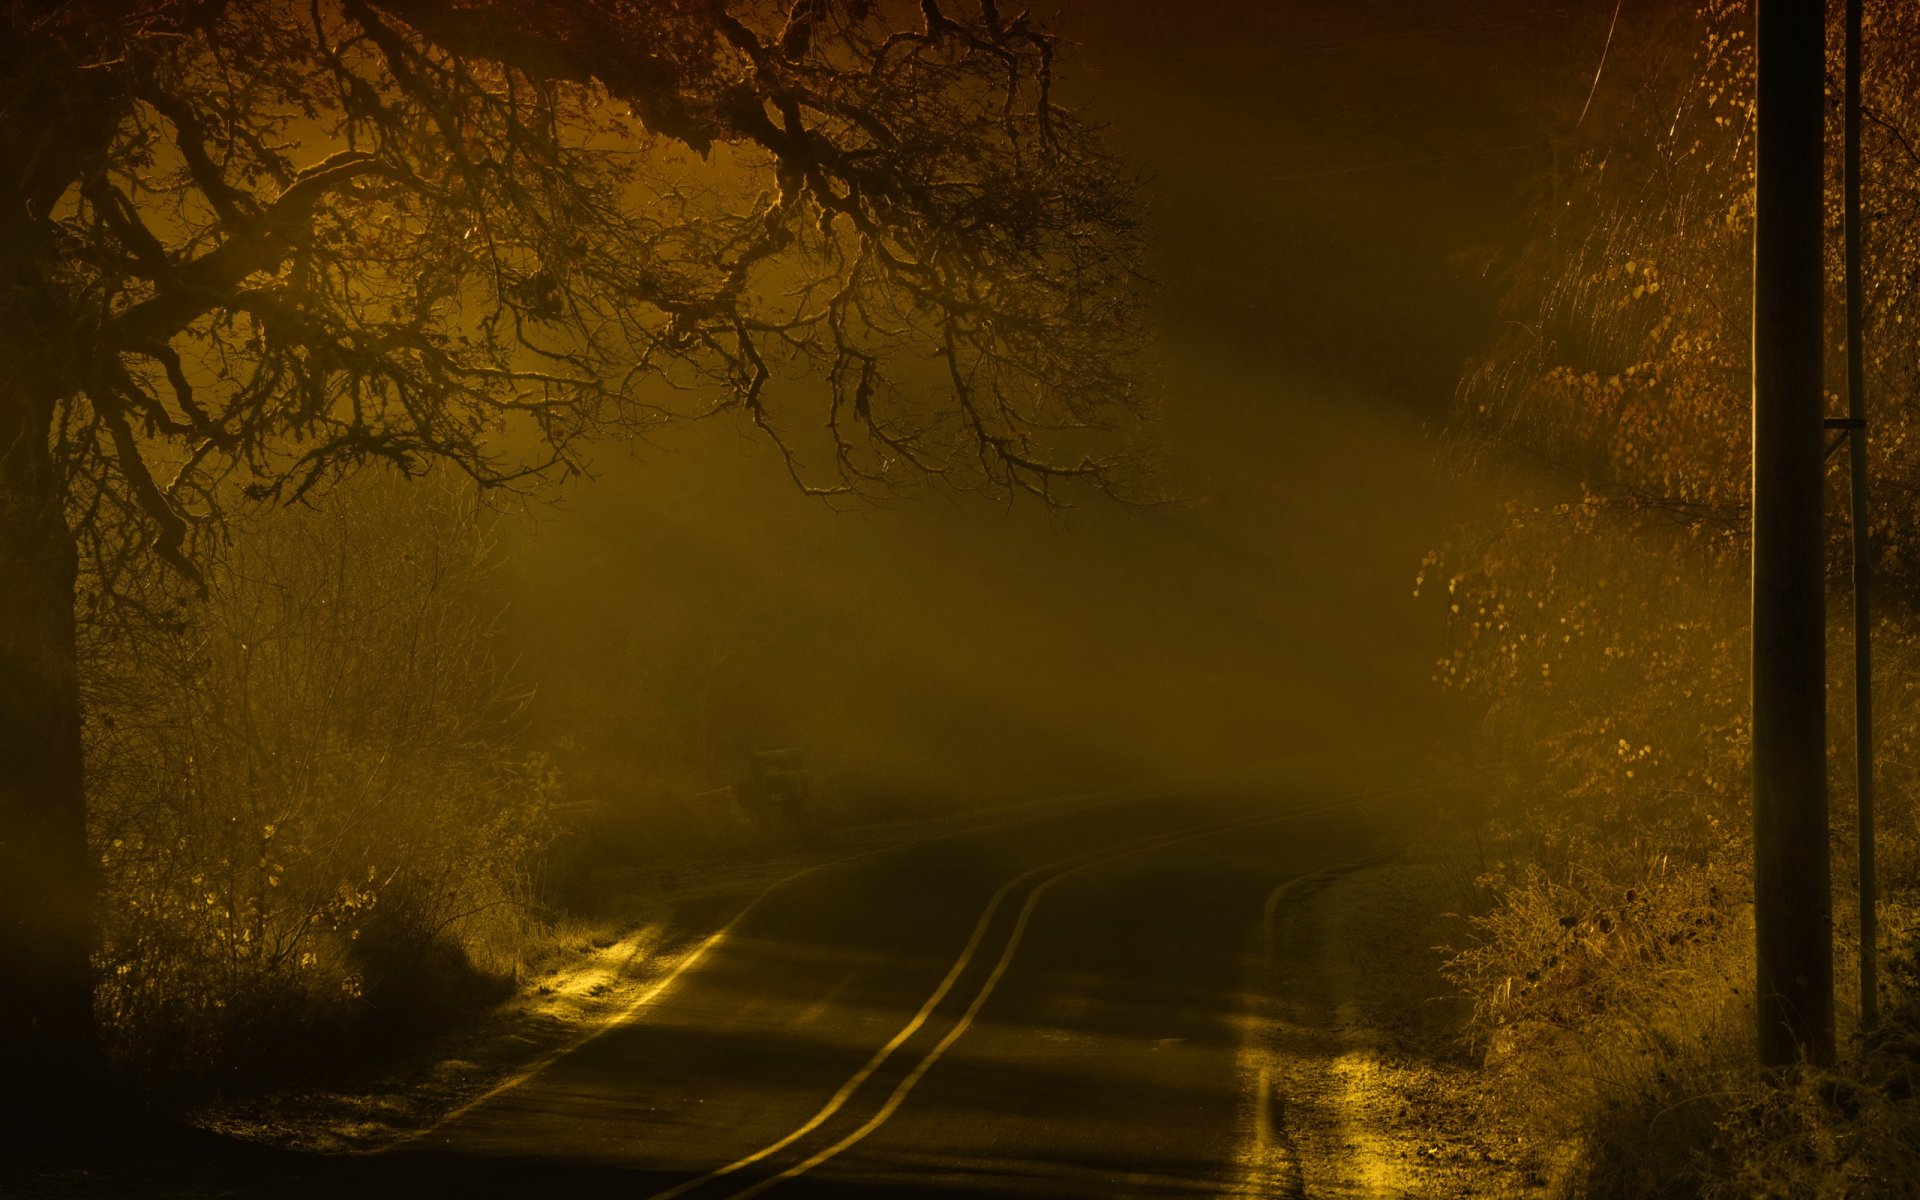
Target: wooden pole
<point x="1793" y="907"/>
<point x="1862" y="540"/>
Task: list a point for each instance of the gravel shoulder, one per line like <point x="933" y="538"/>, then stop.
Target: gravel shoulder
<point x="1360" y="1081"/>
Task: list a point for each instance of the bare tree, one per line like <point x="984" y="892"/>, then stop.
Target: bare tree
<point x="247" y="246"/>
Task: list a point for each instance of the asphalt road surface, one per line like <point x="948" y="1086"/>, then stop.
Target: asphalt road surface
<point x="1047" y="1007"/>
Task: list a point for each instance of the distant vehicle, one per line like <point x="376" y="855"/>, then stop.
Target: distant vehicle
<point x="776" y="793"/>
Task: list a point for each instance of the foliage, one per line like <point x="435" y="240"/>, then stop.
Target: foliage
<point x="305" y="237"/>
<point x="248" y="247"/>
<point x="306" y="795"/>
<point x="1600" y="618"/>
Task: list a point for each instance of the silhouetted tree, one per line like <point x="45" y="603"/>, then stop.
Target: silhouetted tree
<point x="246" y="247"/>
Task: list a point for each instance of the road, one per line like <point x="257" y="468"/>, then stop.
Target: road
<point x="1047" y="1007"/>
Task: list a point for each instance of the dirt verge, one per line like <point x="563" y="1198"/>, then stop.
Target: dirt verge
<point x="1359" y="1081"/>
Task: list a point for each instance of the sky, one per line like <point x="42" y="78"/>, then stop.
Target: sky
<point x="1327" y="185"/>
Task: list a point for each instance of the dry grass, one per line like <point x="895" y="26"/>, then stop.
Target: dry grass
<point x="1612" y="1008"/>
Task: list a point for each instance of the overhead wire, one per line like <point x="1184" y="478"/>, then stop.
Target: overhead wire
<point x="1602" y="64"/>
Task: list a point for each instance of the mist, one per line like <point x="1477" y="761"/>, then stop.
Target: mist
<point x="1315" y="289"/>
<point x="917" y="600"/>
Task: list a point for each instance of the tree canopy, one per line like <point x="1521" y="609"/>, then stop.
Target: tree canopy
<point x="247" y="246"/>
<point x="263" y="242"/>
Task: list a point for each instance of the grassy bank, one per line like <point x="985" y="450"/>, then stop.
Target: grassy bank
<point x="1373" y="1088"/>
<point x="1619" y="1071"/>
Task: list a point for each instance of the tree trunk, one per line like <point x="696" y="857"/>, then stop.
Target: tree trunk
<point x="49" y="1048"/>
<point x="64" y="104"/>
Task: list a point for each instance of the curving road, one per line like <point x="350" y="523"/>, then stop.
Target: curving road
<point x="1050" y="1007"/>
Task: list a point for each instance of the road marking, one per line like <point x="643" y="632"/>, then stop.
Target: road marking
<point x="1106" y="800"/>
<point x="625" y="1014"/>
<point x="1286" y="887"/>
<point x="879" y="1057"/>
<point x="559" y="1052"/>
<point x="906" y="1086"/>
<point x="1268" y="1157"/>
<point x="1023" y="814"/>
<point x="900" y="1038"/>
<point x="1072" y="865"/>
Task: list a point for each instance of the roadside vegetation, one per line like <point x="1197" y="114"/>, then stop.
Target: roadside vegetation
<point x="316" y="818"/>
<point x="288" y="285"/>
<point x="335" y="829"/>
<point x="1599" y="619"/>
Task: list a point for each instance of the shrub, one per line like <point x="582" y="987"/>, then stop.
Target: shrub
<point x="310" y="812"/>
<point x="1599" y="621"/>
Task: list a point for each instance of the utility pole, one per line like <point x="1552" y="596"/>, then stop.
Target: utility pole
<point x="1862" y="542"/>
<point x="1793" y="905"/>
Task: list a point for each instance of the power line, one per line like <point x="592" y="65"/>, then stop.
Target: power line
<point x="1602" y="65"/>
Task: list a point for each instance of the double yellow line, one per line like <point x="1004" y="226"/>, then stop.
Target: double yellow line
<point x="1048" y="875"/>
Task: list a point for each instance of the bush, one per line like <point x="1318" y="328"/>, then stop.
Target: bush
<point x="1599" y="621"/>
<point x="311" y="816"/>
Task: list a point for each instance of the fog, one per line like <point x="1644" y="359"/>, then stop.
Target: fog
<point x="694" y="825"/>
<point x="1323" y="185"/>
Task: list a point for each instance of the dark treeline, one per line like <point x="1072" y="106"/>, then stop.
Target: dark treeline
<point x="1601" y="621"/>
